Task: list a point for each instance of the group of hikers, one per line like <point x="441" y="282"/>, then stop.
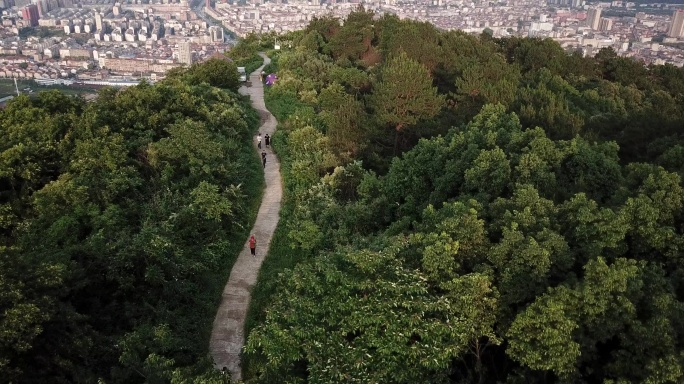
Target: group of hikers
<point x="267" y="142"/>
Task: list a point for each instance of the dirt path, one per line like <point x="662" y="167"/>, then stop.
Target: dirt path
<point x="227" y="335"/>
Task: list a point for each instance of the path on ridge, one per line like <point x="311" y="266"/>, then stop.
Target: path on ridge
<point x="228" y="332"/>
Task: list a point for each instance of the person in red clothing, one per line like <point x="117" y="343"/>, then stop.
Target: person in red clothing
<point x="252" y="245"/>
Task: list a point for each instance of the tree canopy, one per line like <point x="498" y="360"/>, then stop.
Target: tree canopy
<point x="526" y="228"/>
<point x="117" y="225"/>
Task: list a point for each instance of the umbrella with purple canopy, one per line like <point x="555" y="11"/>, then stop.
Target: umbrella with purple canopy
<point x="270" y="79"/>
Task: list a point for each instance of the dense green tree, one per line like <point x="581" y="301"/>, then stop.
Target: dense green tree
<point x="535" y="193"/>
<point x="404" y="95"/>
<point x="420" y="41"/>
<point x="113" y="223"/>
<point x="27" y="286"/>
<point x="669" y="77"/>
<point x="622" y="70"/>
<point x="352" y="41"/>
<point x="547" y="102"/>
<point x="381" y="324"/>
<point x="326" y="27"/>
<point x="493" y="81"/>
<point x="344" y="117"/>
<point x="217" y="72"/>
<point x="565" y="329"/>
<point x="535" y="54"/>
<point x="567" y="241"/>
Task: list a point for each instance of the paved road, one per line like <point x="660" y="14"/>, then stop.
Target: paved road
<point x="227" y="336"/>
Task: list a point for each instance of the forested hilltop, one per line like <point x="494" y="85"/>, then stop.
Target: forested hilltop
<point x="119" y="222"/>
<point x="465" y="209"/>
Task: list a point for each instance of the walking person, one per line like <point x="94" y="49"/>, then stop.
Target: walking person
<point x="252" y="245"/>
<point x="259" y="140"/>
<point x="267" y="139"/>
<point x="263" y="158"/>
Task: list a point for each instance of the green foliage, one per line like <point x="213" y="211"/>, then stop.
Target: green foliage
<point x="528" y="266"/>
<point x="251" y="63"/>
<point x="519" y="218"/>
<point x="405" y="94"/>
<point x="42" y="32"/>
<point x="119" y="221"/>
<point x="217" y="72"/>
<point x="420" y="41"/>
<point x="351" y="41"/>
<point x="494" y="81"/>
<point x="381" y="323"/>
<point x="344" y="117"/>
<point x="246" y="52"/>
<point x="282" y="104"/>
<point x="548" y="104"/>
<point x="535" y="54"/>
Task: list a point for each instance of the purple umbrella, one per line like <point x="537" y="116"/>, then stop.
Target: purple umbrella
<point x="270" y="79"/>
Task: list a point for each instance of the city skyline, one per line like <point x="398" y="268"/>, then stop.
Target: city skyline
<point x="97" y="40"/>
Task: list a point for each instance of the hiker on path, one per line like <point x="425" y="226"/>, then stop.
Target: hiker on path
<point x="259" y="140"/>
<point x="267" y="139"/>
<point x="252" y="245"/>
<point x="263" y="158"/>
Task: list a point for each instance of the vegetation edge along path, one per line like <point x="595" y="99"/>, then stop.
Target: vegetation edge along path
<point x="227" y="335"/>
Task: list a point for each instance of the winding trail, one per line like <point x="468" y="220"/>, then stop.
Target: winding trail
<point x="228" y="332"/>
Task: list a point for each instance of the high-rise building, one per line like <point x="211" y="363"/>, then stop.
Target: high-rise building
<point x="605" y="24"/>
<point x="43" y="7"/>
<point x="216" y="34"/>
<point x="98" y="21"/>
<point x="30" y="14"/>
<point x="185" y="53"/>
<point x="593" y="18"/>
<point x="677" y="27"/>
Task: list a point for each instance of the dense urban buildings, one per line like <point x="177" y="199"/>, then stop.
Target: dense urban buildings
<point x="631" y="29"/>
<point x="101" y="40"/>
